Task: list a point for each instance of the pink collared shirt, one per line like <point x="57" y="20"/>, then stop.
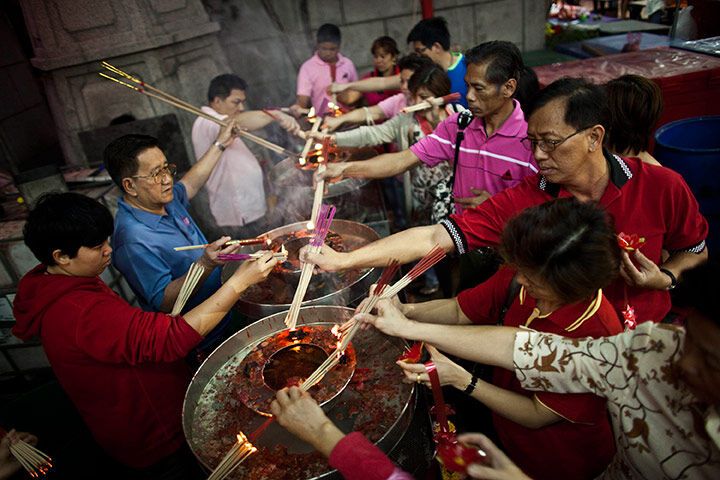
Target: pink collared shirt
<point x="314" y="77"/>
<point x="491" y="164"/>
<point x="391" y="106"/>
<point x="235" y="186"/>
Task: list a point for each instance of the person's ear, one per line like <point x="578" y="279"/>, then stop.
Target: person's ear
<point x="437" y="47"/>
<point x="129" y="186"/>
<point x="509" y="88"/>
<point x="61" y="259"/>
<point x="596" y="135"/>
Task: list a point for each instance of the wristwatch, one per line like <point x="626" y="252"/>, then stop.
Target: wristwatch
<point x="673" y="279"/>
<point x="219" y="145"/>
<point x="471" y="388"/>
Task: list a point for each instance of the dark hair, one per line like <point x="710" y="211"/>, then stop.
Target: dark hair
<point x="223" y="85"/>
<point x="66" y="222"/>
<point x="413" y="62"/>
<point x="528" y="87"/>
<point x="697" y="290"/>
<point x="328" y="33"/>
<point x="430" y="31"/>
<point x="431" y="77"/>
<point x="503" y="60"/>
<point x="570" y="244"/>
<point x="585" y="102"/>
<point x="386" y="43"/>
<point x="634" y="107"/>
<point x="121" y="155"/>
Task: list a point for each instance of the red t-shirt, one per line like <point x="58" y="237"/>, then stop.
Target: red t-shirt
<point x="650" y="201"/>
<point x="582" y="445"/>
<point x="373" y="98"/>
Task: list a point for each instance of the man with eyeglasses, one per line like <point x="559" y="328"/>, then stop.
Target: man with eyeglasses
<point x="152" y="219"/>
<point x="566" y="129"/>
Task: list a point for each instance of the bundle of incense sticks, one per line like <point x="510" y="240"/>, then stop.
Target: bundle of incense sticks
<point x="192" y="278"/>
<point x="344" y="341"/>
<point x="238" y="257"/>
<point x="152" y="92"/>
<point x="35" y="462"/>
<point x="241" y="450"/>
<point x="320" y="187"/>
<point x="435" y="102"/>
<point x="425" y="264"/>
<point x="325" y="218"/>
<point x="308" y="136"/>
<point x="245" y="242"/>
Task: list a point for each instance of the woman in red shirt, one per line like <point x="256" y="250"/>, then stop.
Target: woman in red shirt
<point x="560" y="254"/>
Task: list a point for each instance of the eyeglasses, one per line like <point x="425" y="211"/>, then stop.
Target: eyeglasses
<point x="169" y="169"/>
<point x="421" y="50"/>
<point x="547" y="146"/>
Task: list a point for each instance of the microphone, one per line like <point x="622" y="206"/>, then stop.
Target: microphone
<point x="464" y="119"/>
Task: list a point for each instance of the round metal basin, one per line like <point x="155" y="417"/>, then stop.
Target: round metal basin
<point x="337" y="288"/>
<point x="375" y="402"/>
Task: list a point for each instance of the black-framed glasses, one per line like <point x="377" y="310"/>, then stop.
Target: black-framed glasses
<point x="421" y="49"/>
<point x="547" y="146"/>
<point x="169" y="169"/>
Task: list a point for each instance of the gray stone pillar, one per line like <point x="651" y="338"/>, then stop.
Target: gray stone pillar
<point x="171" y="44"/>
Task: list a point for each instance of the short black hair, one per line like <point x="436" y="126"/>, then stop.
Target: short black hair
<point x="66" y="222"/>
<point x="503" y="60"/>
<point x="697" y="290"/>
<point x="386" y="43"/>
<point x="585" y="103"/>
<point x="528" y="87"/>
<point x="635" y="104"/>
<point x="413" y="62"/>
<point x="328" y="32"/>
<point x="222" y="85"/>
<point x="430" y="31"/>
<point x="121" y="155"/>
<point x="570" y="244"/>
<point x="431" y="77"/>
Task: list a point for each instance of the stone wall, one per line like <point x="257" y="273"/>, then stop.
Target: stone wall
<point x="266" y="41"/>
<point x="171" y="44"/>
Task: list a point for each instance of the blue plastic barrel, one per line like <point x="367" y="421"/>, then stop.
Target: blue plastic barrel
<point x="691" y="147"/>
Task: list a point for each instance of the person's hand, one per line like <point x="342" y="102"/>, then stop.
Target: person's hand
<point x="449" y="372"/>
<point x="331" y="171"/>
<point x="318" y="136"/>
<point x="209" y="257"/>
<point x="228" y="132"/>
<point x="337" y="88"/>
<point x="645" y="275"/>
<point x="499" y="466"/>
<point x="330" y="124"/>
<point x="255" y="271"/>
<point x="9" y="465"/>
<point x="299" y="413"/>
<point x="327" y="260"/>
<point x="472" y="202"/>
<point x="389" y="320"/>
<point x="297" y="111"/>
<point x="288" y="123"/>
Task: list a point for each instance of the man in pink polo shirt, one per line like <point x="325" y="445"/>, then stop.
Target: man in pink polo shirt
<point x="319" y="71"/>
<point x="492" y="157"/>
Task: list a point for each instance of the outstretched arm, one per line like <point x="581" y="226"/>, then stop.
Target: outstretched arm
<point x="406" y="246"/>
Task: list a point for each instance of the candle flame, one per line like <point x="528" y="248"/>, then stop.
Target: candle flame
<point x="310" y="226"/>
<point x="302" y="161"/>
<point x="318" y="146"/>
<point x="336" y="330"/>
<point x="331" y="105"/>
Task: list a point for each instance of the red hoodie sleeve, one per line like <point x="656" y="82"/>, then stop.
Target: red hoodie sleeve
<point x="358" y="459"/>
<point x="110" y="330"/>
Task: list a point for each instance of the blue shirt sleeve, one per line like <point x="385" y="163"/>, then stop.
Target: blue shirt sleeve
<point x="147" y="272"/>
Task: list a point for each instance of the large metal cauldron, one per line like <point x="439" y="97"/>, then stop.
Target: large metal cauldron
<point x="339" y="288"/>
<point x="375" y="402"/>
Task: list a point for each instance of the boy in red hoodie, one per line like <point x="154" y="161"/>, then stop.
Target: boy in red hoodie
<point x="122" y="367"/>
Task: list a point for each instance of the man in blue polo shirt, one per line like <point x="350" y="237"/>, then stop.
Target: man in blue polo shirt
<point x="431" y="38"/>
<point x="152" y="218"/>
